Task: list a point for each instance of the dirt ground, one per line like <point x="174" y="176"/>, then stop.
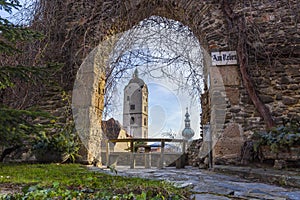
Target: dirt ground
<point x="8" y="188"/>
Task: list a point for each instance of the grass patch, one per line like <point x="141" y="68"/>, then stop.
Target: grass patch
<point x="74" y="181"/>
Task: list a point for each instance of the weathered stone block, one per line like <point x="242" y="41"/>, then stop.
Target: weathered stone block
<point x="216" y="77"/>
<point x="246" y="115"/>
<point x="297" y="80"/>
<point x="291" y="154"/>
<point x="233" y="95"/>
<point x="279" y="68"/>
<point x="230" y="75"/>
<point x="280" y="164"/>
<point x="235" y="109"/>
<point x="289" y="100"/>
<point x="277" y="113"/>
<point x="285" y="80"/>
<point x="246" y="100"/>
<point x="218" y="101"/>
<point x="266" y="98"/>
<point x="278" y="97"/>
<point x="230" y="143"/>
<point x="294" y="87"/>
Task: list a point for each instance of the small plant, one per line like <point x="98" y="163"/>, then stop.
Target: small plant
<point x="113" y="169"/>
<point x="280" y="138"/>
<point x="58" y="147"/>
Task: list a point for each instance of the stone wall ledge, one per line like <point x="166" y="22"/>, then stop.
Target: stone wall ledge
<point x="266" y="175"/>
<point x="291" y="154"/>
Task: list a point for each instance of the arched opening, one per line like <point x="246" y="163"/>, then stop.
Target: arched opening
<point x="216" y="26"/>
<point x="169" y="59"/>
<point x="104" y="55"/>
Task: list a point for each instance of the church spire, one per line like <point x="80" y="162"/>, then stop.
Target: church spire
<point x="187" y="119"/>
<point x="135" y="107"/>
<point x="187" y="132"/>
<point x="135" y="73"/>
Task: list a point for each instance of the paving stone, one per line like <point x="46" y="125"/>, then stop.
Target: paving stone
<point x="184" y="184"/>
<point x="256" y="193"/>
<point x="212" y="185"/>
<point x="208" y="196"/>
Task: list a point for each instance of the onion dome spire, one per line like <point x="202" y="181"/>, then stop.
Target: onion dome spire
<point x="187" y="132"/>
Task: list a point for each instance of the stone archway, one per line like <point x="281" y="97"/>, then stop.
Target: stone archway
<point x="217" y="83"/>
<point x="89" y="23"/>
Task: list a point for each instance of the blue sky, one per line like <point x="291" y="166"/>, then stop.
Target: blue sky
<point x="168" y="82"/>
<point x="167" y="107"/>
<point x="20" y="15"/>
<point x="5" y="14"/>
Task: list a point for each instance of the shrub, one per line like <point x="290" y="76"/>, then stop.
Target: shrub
<point x="60" y="146"/>
<point x="279" y="138"/>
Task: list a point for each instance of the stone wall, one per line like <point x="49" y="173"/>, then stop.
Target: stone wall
<point x="193" y="153"/>
<point x="273" y="42"/>
<point x="273" y="66"/>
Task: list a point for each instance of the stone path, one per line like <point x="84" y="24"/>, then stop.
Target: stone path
<point x="211" y="185"/>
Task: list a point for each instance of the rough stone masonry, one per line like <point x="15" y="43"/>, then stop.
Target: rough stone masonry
<point x="273" y="47"/>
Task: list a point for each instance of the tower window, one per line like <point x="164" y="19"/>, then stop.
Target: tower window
<point x="145" y="108"/>
<point x="145" y="122"/>
<point x="127" y="98"/>
<point x="132" y="120"/>
<point x="132" y="107"/>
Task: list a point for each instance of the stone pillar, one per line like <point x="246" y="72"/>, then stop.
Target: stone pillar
<point x="225" y="98"/>
<point x="87" y="105"/>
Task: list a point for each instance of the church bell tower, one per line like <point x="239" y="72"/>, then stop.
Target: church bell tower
<point x="135" y="107"/>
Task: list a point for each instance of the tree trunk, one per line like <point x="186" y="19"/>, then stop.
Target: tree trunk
<point x="239" y="22"/>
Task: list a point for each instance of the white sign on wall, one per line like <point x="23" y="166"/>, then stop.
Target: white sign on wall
<point x="224" y="58"/>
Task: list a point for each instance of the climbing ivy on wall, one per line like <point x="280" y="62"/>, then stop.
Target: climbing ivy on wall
<point x="282" y="137"/>
<point x="239" y="22"/>
<point x="73" y="28"/>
